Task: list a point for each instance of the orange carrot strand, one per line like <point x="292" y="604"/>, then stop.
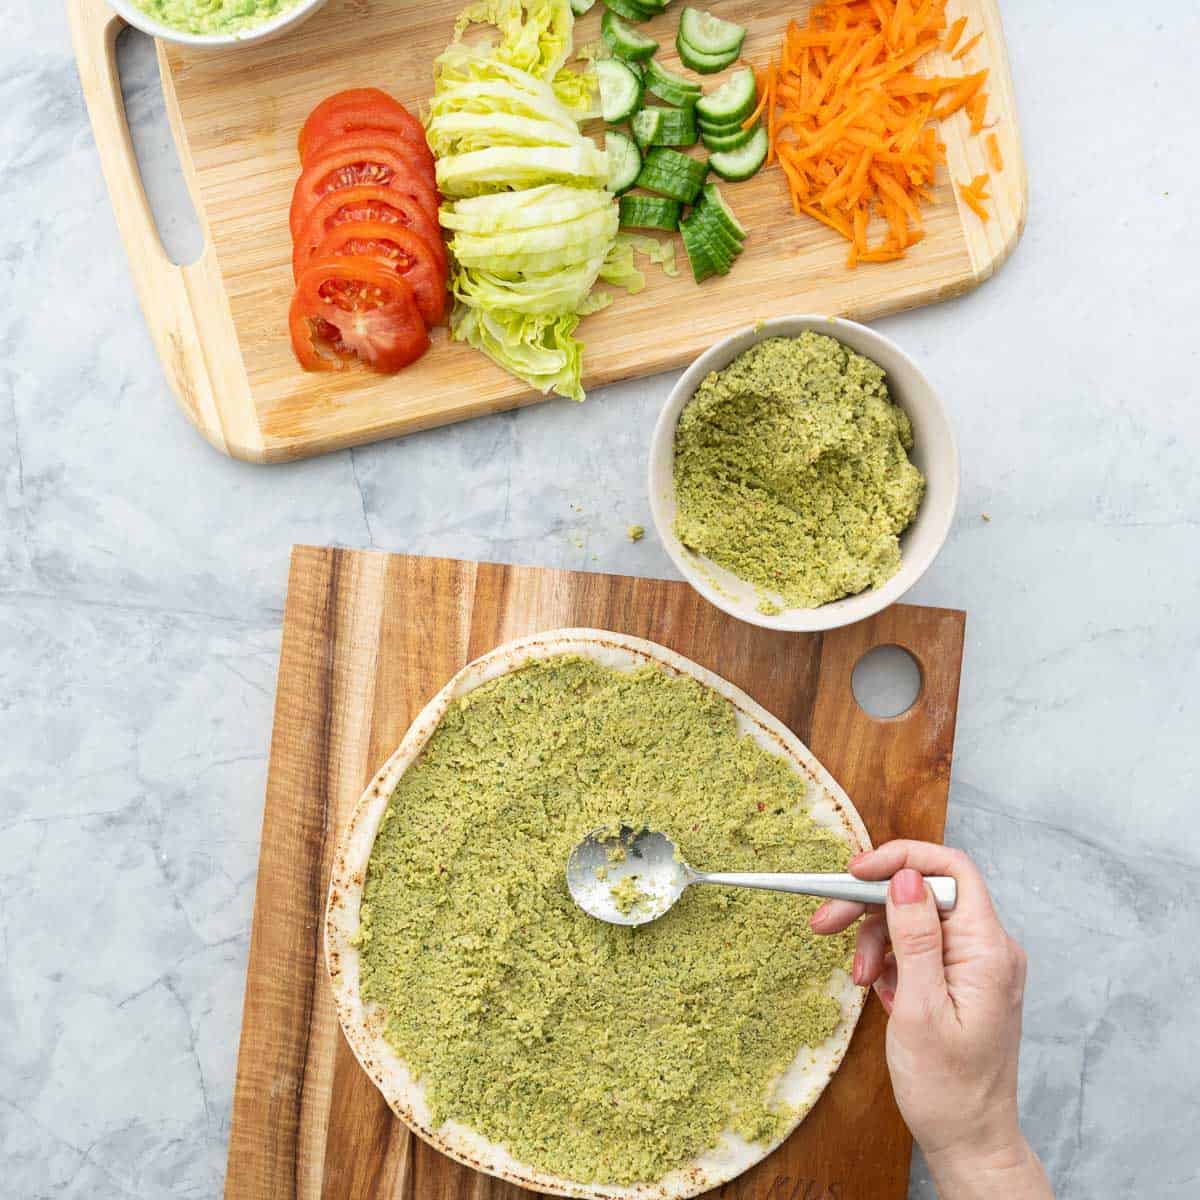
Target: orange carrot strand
<point x="956" y="31"/>
<point x="994" y="155"/>
<point x="967" y="47"/>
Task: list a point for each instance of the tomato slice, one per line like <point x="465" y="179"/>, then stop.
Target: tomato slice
<point x="406" y="252"/>
<point x="354" y="111"/>
<point x="381" y="160"/>
<point x="348" y="308"/>
<point x="366" y="203"/>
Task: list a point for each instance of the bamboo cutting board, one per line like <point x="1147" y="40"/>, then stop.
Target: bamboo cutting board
<point x="368" y="639"/>
<point x="220" y="324"/>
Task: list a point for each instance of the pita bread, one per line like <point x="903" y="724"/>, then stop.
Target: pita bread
<point x="799" y="1086"/>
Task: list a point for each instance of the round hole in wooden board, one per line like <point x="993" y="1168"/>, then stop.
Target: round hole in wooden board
<point x="887" y="681"/>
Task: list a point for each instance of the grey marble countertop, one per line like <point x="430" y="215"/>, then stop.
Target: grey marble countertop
<point x="142" y="580"/>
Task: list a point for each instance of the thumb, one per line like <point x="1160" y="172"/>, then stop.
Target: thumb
<point x="915" y="930"/>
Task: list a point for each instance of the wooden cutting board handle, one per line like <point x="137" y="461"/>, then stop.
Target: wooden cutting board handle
<point x="186" y="308"/>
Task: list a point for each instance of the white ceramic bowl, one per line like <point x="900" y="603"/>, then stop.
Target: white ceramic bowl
<point x="934" y="453"/>
<point x="283" y="23"/>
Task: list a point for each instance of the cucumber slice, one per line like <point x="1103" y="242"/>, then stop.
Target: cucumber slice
<point x="709" y="221"/>
<point x="646" y="125"/>
<point x="704" y="64"/>
<point x="728" y="141"/>
<point x="673" y="127"/>
<point x="631" y="10"/>
<point x="713" y="198"/>
<point x="620" y="90"/>
<point x="732" y="102"/>
<point x="720" y="128"/>
<point x="682" y="82"/>
<point x="672" y="174"/>
<point x="712" y="235"/>
<point x="625" y="41"/>
<point x="650" y="212"/>
<point x="671" y="87"/>
<point x="744" y="161"/>
<point x="707" y="34"/>
<point x="624" y="161"/>
<point x="579" y="7"/>
<point x="706" y="256"/>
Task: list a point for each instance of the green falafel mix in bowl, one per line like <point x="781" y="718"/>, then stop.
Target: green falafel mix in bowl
<point x="792" y="472"/>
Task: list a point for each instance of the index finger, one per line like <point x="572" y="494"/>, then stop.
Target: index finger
<point x="930" y="858"/>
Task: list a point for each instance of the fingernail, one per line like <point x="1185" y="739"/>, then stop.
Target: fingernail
<point x="818" y="918"/>
<point x="887" y="998"/>
<point x="857" y="971"/>
<point x="861" y="856"/>
<point x="908" y="887"/>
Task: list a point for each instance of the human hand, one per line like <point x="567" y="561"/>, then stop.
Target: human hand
<point x="953" y="986"/>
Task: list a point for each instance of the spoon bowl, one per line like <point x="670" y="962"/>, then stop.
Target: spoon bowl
<point x="632" y="876"/>
<point x="641" y="866"/>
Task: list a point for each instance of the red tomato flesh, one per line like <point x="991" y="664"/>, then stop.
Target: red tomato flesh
<point x="406" y="252"/>
<point x="355" y="308"/>
<point x="355" y="111"/>
<point x="367" y="203"/>
<point x="383" y="160"/>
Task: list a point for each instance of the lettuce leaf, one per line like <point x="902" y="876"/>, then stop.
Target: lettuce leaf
<point x="620" y="270"/>
<point x="555" y="205"/>
<point x="526" y="196"/>
<point x="573" y="240"/>
<point x="538" y="349"/>
<point x="462" y="132"/>
<point x="578" y="91"/>
<point x="594" y="303"/>
<point x="657" y="250"/>
<point x="535" y="35"/>
<point x="477" y="171"/>
<point x="564" y="289"/>
<point x="466" y="78"/>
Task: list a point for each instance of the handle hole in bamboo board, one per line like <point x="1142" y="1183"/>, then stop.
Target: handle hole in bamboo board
<point x="886" y="682"/>
<point x="157" y="158"/>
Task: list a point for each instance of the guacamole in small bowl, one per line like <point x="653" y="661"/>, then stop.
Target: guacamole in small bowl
<point x="206" y="17"/>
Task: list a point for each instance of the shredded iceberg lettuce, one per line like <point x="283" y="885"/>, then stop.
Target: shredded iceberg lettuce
<point x="533" y="223"/>
<point x="539" y="349"/>
<point x="658" y="250"/>
<point x="535" y="35"/>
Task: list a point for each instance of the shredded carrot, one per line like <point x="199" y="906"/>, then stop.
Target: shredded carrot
<point x="967" y="47"/>
<point x="830" y="219"/>
<point x="961" y="95"/>
<point x="976" y="109"/>
<point x="994" y="155"/>
<point x="852" y="121"/>
<point x="883" y="254"/>
<point x="764" y="95"/>
<point x="882" y="12"/>
<point x="974" y="195"/>
<point x="860" y="230"/>
<point x="956" y="31"/>
<point x="772" y="84"/>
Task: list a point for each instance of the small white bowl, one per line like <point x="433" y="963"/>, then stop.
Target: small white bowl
<point x="278" y="25"/>
<point x="934" y="453"/>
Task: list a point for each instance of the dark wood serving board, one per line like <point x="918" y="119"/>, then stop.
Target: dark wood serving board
<point x="368" y="638"/>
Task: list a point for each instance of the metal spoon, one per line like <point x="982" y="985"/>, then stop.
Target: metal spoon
<point x="660" y="876"/>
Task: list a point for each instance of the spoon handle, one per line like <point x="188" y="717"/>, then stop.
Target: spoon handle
<point x="830" y="886"/>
